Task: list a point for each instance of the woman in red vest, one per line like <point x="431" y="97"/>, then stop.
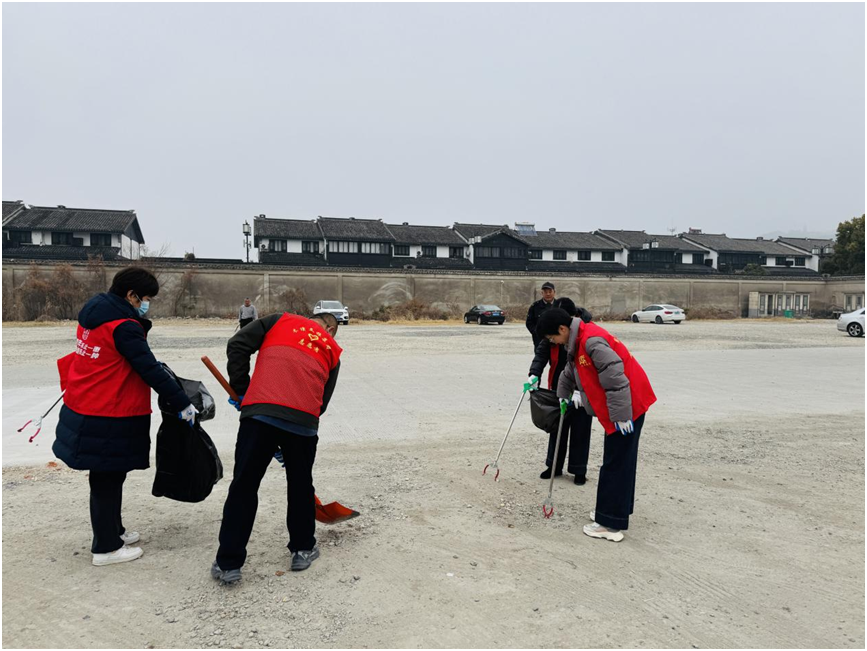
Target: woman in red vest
<point x="105" y="419"/>
<point x="603" y="377"/>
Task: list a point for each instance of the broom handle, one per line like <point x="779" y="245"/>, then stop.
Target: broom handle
<point x="219" y="377"/>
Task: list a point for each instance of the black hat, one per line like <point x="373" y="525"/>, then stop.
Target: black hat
<point x="548" y="285"/>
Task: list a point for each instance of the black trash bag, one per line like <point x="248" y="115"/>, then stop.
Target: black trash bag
<point x="545" y="409"/>
<point x="188" y="465"/>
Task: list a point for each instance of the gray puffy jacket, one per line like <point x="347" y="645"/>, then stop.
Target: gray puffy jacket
<point x="611" y="376"/>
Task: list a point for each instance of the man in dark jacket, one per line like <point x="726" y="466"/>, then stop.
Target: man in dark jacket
<point x="105" y="419"/>
<point x="296" y="372"/>
<point x="537" y="309"/>
<point x="577" y="422"/>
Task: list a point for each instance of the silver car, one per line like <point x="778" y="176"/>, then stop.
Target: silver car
<point x="338" y="309"/>
<point x="852" y="322"/>
<point x="659" y="313"/>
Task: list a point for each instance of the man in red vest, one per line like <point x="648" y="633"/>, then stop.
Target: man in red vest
<point x="296" y="371"/>
<point x="603" y="377"/>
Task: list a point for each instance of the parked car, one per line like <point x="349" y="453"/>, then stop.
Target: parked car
<point x="659" y="313"/>
<point x="482" y="314"/>
<point x="852" y="322"/>
<point x="340" y="311"/>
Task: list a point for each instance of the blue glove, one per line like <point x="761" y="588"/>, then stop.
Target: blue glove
<point x="237" y="403"/>
<point x="625" y="427"/>
<point x="279" y="456"/>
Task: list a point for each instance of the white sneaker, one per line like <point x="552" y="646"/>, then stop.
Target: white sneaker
<point x="121" y="555"/>
<point x="130" y="537"/>
<point x="592" y="517"/>
<point x="596" y="530"/>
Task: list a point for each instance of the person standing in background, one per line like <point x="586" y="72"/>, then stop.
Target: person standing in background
<point x="247" y="314"/>
<point x="536" y="310"/>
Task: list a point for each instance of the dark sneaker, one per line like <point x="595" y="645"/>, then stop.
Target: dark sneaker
<point x="301" y="560"/>
<point x="580" y="479"/>
<point x="225" y="576"/>
<point x="547" y="473"/>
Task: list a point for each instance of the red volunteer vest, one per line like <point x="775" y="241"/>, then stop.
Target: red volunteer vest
<point x="552" y="365"/>
<point x="293" y="365"/>
<point x="639" y="385"/>
<point x="98" y="380"/>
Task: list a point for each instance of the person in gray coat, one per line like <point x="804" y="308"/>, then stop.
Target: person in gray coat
<point x="607" y="381"/>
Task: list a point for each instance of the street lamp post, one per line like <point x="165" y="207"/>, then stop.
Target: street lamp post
<point x="247" y="232"/>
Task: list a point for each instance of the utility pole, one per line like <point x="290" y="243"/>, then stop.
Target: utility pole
<point x="247" y="232"/>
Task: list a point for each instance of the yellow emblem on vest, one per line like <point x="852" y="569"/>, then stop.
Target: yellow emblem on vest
<point x="582" y="360"/>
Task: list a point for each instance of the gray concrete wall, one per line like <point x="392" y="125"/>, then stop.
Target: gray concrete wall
<point x="218" y="292"/>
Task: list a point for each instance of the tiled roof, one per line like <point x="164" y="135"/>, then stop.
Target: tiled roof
<point x="291" y="229"/>
<point x="790" y="271"/>
<point x="806" y="243"/>
<point x="355" y="230"/>
<point x="636" y="240"/>
<point x="571" y="241"/>
<point x="576" y="268"/>
<point x="431" y="263"/>
<point x="420" y="235"/>
<point x="11" y="208"/>
<point x="470" y="231"/>
<point x="726" y="244"/>
<point x="295" y="259"/>
<point x="85" y="220"/>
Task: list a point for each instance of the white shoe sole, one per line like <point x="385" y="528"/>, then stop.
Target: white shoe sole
<point x="106" y="560"/>
<point x="603" y="535"/>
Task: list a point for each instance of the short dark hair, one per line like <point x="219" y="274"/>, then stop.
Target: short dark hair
<point x="566" y="304"/>
<point x="328" y="320"/>
<point x="141" y="281"/>
<point x="551" y="320"/>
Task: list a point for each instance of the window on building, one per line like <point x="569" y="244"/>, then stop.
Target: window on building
<point x="401" y="249"/>
<point x="698" y="258"/>
<point x="584" y="256"/>
<point x="800" y="262"/>
<point x="806" y="302"/>
<point x="848" y="302"/>
<point x="21" y="237"/>
<point x="456" y="252"/>
<point x="608" y="256"/>
<point x="375" y="248"/>
<point x="429" y="251"/>
<point x="535" y="254"/>
<point x="797" y="302"/>
<point x="788" y="301"/>
<point x="278" y="246"/>
<point x="559" y="255"/>
<point x="60" y="238"/>
<point x="487" y="252"/>
<point x="859" y="302"/>
<point x="310" y="247"/>
<point x="762" y="303"/>
<point x="514" y="252"/>
<point x="780" y="261"/>
<point x="336" y="246"/>
<point x="763" y="260"/>
<point x="100" y="239"/>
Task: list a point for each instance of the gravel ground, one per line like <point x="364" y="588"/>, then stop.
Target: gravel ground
<point x="748" y="530"/>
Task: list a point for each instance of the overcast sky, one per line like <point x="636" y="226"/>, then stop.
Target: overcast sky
<point x="738" y="118"/>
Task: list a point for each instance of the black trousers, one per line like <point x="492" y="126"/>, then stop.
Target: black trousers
<point x="106" y="493"/>
<point x="576" y="433"/>
<point x="615" y="496"/>
<point x="257" y="443"/>
<point x="245" y="322"/>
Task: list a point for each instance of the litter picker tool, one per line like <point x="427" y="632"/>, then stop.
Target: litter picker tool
<point x="548" y="504"/>
<point x="493" y="465"/>
<point x="330" y="513"/>
<point x="37" y="422"/>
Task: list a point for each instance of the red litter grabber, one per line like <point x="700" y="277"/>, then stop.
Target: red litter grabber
<point x="493" y="465"/>
<point x="330" y="513"/>
<point x="37" y="422"/>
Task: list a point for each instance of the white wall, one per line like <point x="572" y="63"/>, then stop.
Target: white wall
<point x="442" y="251"/>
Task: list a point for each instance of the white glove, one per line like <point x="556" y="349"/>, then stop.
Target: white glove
<point x="189" y="414"/>
<point x="625" y="427"/>
<point x="577" y="401"/>
<point x="532" y="383"/>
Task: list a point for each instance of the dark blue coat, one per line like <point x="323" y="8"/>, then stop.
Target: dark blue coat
<point x="109" y="444"/>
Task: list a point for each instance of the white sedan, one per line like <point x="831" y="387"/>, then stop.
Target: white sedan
<point x="853" y="323"/>
<point x="659" y="313"/>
